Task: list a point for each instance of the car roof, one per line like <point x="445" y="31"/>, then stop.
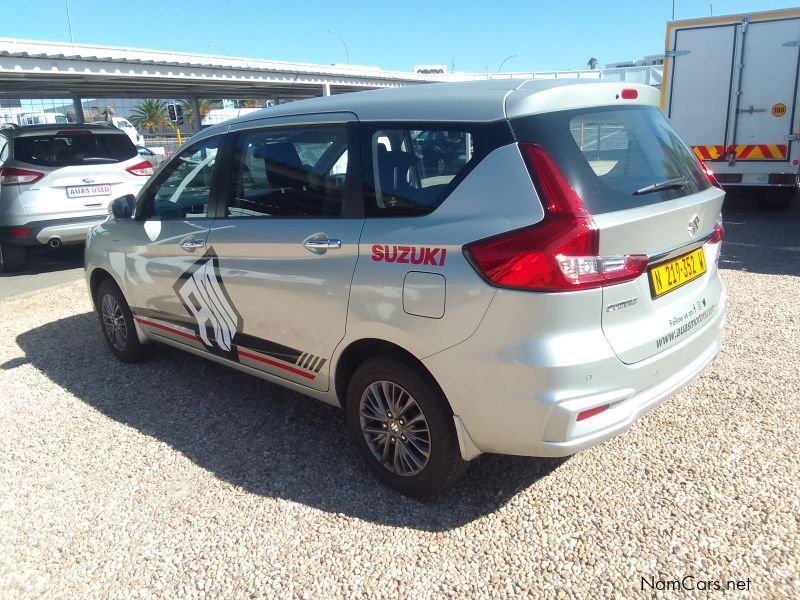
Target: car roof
<point x="20" y="130"/>
<point x="483" y="101"/>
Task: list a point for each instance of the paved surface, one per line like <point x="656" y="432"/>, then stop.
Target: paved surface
<point x="45" y="268"/>
<point x="180" y="478"/>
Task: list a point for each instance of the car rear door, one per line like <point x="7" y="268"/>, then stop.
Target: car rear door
<point x="284" y="245"/>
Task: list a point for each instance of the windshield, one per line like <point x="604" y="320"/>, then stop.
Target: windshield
<point x="65" y="149"/>
<point x="616" y="157"/>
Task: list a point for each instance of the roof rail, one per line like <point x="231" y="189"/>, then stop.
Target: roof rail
<point x="9" y="126"/>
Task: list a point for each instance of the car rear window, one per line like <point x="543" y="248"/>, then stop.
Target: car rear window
<point x="65" y="149"/>
<point x="611" y="155"/>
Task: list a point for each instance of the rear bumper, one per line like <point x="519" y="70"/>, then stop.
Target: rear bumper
<point x="36" y="233"/>
<point x="565" y="430"/>
<point x="523" y="395"/>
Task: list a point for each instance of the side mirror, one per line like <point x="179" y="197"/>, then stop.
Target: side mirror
<point x="122" y="207"/>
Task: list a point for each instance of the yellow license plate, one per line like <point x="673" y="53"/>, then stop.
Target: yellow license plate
<point x="673" y="274"/>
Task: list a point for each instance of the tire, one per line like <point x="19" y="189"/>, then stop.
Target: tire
<point x="12" y="257"/>
<point x="116" y="321"/>
<point x="376" y="386"/>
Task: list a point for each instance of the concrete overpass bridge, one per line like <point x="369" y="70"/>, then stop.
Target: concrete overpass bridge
<point x="38" y="69"/>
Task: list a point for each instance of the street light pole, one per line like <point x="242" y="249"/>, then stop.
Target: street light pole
<point x="69" y="23"/>
<point x="346" y="51"/>
<point x="673" y="10"/>
<point x="507" y="58"/>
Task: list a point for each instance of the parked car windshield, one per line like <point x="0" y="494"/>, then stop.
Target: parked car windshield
<point x="64" y="149"/>
<point x="614" y="156"/>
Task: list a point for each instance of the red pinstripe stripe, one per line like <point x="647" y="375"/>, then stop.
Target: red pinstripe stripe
<point x="273" y="363"/>
<point x="165" y="328"/>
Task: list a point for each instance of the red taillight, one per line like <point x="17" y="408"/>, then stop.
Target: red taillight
<point x="20" y="233"/>
<point x="560" y="253"/>
<point x="710" y="174"/>
<point x="629" y="94"/>
<point x="718" y="234"/>
<point x="12" y="176"/>
<point x="591" y="412"/>
<point x="142" y="169"/>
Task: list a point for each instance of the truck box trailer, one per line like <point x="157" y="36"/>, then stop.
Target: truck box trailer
<point x="730" y="90"/>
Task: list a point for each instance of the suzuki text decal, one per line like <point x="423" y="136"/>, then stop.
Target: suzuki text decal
<point x="415" y="255"/>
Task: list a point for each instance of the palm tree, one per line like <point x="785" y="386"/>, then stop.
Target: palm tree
<point x="188" y="109"/>
<point x="592" y="64"/>
<point x="150" y="114"/>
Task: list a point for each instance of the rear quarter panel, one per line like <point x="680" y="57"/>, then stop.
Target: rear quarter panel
<point x="495" y="197"/>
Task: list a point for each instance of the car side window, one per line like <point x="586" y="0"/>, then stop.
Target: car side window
<point x="183" y="188"/>
<point x="411" y="169"/>
<point x="296" y="171"/>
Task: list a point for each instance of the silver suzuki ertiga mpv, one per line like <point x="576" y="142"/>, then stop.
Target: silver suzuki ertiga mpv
<point x="518" y="267"/>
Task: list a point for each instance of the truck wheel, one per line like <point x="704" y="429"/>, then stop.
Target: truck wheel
<point x="116" y="321"/>
<point x="12" y="258"/>
<point x="403" y="428"/>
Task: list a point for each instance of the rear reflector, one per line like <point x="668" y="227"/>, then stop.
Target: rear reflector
<point x="591" y="412"/>
<point x="558" y="254"/>
<point x="629" y="94"/>
<point x="728" y="177"/>
<point x="20" y="233"/>
<point x="13" y="176"/>
<point x="782" y="178"/>
<point x="142" y="169"/>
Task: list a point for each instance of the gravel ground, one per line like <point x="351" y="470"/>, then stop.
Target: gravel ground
<point x="179" y="477"/>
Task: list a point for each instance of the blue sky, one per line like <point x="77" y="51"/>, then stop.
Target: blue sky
<point x="545" y="34"/>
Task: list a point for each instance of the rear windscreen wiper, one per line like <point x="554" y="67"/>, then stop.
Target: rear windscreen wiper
<point x="669" y="184"/>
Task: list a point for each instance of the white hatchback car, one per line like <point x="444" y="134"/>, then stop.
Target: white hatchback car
<point x="532" y="298"/>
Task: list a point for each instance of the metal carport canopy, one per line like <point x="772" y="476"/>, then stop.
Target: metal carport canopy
<point x="61" y="70"/>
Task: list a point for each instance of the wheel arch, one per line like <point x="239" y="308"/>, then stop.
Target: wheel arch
<point x="360" y="350"/>
<point x="98" y="276"/>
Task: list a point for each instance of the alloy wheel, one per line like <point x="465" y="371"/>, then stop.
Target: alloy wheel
<point x="114" y="322"/>
<point x="395" y="428"/>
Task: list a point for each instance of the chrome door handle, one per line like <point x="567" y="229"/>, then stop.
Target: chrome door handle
<point x="322" y="244"/>
<point x="191" y="244"/>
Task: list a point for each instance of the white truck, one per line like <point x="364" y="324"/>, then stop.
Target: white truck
<point x="730" y="90"/>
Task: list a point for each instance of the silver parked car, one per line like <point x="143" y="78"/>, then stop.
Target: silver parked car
<point x="533" y="299"/>
<point x="56" y="182"/>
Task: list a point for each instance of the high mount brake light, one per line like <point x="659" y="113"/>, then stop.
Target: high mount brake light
<point x="13" y="176"/>
<point x="560" y="253"/>
<point x="629" y="94"/>
<point x="142" y="169"/>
